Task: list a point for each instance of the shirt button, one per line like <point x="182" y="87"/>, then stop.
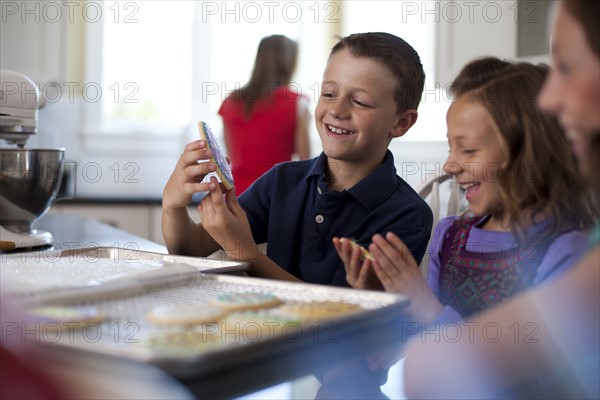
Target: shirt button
<point x="319" y="218"/>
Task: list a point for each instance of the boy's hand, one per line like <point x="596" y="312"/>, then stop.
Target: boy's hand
<point x="359" y="274"/>
<point x="225" y="220"/>
<point x="187" y="177"/>
<point x="398" y="271"/>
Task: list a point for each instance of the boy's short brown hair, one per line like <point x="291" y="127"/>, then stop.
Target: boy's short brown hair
<point x="396" y="55"/>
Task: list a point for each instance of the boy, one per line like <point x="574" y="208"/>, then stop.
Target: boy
<point x="371" y="89"/>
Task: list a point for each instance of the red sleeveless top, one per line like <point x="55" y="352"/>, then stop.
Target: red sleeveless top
<point x="265" y="139"/>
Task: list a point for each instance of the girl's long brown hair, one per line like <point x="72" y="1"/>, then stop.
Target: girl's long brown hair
<point x="274" y="66"/>
<point x="540" y="173"/>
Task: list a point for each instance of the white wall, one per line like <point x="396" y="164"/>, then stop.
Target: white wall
<point x="139" y="165"/>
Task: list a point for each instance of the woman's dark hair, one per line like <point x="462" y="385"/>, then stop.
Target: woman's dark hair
<point x="587" y="13"/>
<point x="274" y="66"/>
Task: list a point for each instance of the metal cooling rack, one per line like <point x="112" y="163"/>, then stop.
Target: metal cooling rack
<point x="124" y="331"/>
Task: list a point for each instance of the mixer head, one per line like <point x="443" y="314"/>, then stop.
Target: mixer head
<point x="19" y="104"/>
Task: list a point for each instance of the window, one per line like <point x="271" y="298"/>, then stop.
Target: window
<point x="147" y="63"/>
<point x="139" y="57"/>
<point x="163" y="65"/>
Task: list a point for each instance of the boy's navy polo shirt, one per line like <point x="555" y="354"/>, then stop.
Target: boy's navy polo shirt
<point x="291" y="210"/>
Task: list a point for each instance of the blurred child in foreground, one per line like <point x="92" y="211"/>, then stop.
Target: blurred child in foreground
<point x="565" y="313"/>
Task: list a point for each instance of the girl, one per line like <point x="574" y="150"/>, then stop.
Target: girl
<point x="525" y="197"/>
<point x="565" y="312"/>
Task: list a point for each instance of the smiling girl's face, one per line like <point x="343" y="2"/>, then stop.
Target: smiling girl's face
<point x="476" y="155"/>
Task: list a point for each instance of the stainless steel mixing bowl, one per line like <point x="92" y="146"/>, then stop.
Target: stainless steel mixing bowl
<point x="29" y="183"/>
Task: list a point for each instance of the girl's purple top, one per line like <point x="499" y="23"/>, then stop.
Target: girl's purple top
<point x="564" y="251"/>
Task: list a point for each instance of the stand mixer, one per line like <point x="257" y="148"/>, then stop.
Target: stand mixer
<point x="29" y="178"/>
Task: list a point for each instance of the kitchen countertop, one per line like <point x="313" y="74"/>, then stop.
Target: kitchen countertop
<point x="111" y="200"/>
<point x="122" y="200"/>
<point x="75" y="231"/>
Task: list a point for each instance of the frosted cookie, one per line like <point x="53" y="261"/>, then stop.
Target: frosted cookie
<point x="183" y="344"/>
<point x="261" y="324"/>
<point x="185" y="314"/>
<point x="218" y="158"/>
<point x="364" y="253"/>
<point x="59" y="317"/>
<point x="320" y="309"/>
<point x="245" y="301"/>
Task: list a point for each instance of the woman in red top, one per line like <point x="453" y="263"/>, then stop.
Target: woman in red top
<point x="266" y="122"/>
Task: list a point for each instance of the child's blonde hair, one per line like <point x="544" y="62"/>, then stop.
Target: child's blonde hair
<point x="539" y="173"/>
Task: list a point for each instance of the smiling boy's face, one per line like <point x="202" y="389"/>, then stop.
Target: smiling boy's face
<point x="356" y="115"/>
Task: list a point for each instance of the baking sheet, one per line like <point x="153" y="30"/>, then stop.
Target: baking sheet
<point x="41" y="273"/>
<point x="125" y="332"/>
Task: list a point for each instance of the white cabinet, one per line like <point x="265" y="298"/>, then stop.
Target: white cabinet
<point x="506" y="29"/>
<point x="42" y="40"/>
<point x="30" y="43"/>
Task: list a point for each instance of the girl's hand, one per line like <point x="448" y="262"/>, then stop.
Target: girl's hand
<point x="398" y="271"/>
<point x="359" y="274"/>
<point x="187" y="177"/>
<point x="225" y="220"/>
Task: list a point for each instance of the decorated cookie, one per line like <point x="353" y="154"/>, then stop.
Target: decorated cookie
<point x="259" y="324"/>
<point x="245" y="301"/>
<point x="185" y="314"/>
<point x="319" y="309"/>
<point x="364" y="253"/>
<point x="218" y="157"/>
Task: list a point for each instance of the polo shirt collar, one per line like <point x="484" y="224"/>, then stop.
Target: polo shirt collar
<point x="373" y="189"/>
<point x="378" y="186"/>
<point x="318" y="167"/>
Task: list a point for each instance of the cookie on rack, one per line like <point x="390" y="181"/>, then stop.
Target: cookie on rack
<point x="186" y="314"/>
<point x="259" y="324"/>
<point x="316" y="310"/>
<point x="245" y="301"/>
<point x="218" y="158"/>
